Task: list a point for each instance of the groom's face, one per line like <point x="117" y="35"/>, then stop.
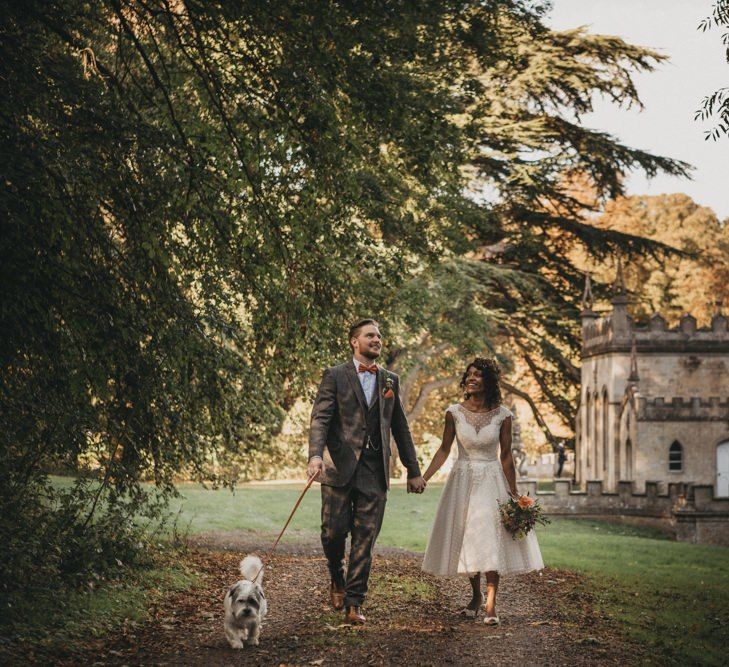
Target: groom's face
<point x="368" y="342"/>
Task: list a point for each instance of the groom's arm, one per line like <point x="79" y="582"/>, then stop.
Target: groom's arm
<point x="321" y="414"/>
<point x="403" y="438"/>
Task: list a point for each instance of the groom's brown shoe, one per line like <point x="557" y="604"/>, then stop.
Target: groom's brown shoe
<point x="354" y="616"/>
<point x="336" y="596"/>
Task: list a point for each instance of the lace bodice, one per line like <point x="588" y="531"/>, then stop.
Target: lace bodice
<point x="477" y="433"/>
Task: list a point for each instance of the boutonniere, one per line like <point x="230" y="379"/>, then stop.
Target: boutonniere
<point x="387" y="391"/>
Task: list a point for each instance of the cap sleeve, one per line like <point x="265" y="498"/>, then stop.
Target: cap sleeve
<point x="452" y="410"/>
<point x="505" y="412"/>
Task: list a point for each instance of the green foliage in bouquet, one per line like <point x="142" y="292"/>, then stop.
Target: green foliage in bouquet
<point x="521" y="516"/>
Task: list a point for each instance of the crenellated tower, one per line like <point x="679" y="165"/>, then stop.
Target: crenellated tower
<point x="654" y="401"/>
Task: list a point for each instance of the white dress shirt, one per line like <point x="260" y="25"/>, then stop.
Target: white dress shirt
<point x="367" y="380"/>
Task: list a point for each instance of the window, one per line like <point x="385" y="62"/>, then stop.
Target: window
<point x="675" y="457"/>
<point x="629" y="460"/>
<point x="605" y="407"/>
<point x="588" y="429"/>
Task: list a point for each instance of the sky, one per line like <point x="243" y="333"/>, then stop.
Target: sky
<point x="670" y="94"/>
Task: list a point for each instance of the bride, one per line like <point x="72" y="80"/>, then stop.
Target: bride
<point x="468" y="537"/>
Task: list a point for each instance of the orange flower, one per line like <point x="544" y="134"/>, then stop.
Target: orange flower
<point x="525" y="501"/>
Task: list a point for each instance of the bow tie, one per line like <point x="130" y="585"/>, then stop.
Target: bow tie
<point x="367" y="369"/>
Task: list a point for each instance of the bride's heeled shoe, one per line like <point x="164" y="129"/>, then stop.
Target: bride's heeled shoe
<point x="491" y="620"/>
<point x="471" y="613"/>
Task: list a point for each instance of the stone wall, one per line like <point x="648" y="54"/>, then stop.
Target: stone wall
<point x="678" y="380"/>
<point x="683" y="409"/>
<point x="669" y="374"/>
<point x="691" y="511"/>
<point x="544" y="466"/>
<point x="699" y="441"/>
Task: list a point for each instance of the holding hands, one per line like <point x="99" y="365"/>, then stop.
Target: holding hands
<point x="316" y="465"/>
<point x="416" y="485"/>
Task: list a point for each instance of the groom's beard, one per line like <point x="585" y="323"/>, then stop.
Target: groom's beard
<point x="371" y="354"/>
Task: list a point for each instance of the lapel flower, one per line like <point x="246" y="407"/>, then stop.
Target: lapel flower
<point x="388" y="392"/>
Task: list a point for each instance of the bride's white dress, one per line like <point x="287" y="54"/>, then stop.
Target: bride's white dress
<point x="467" y="535"/>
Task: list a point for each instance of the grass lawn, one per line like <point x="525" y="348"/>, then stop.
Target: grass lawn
<point x="50" y="622"/>
<point x="671" y="596"/>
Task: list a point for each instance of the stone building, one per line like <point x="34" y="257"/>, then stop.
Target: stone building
<point x="654" y="401"/>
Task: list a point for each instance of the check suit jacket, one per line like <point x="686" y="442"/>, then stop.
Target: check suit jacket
<point x="338" y="424"/>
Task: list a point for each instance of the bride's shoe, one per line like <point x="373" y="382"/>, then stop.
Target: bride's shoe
<point x="491" y="620"/>
<point x="471" y="613"/>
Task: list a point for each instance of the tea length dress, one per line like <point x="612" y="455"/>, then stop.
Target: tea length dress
<point x="467" y="535"/>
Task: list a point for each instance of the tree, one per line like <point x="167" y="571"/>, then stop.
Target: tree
<point x="716" y="105"/>
<point x="692" y="282"/>
<point x="201" y="193"/>
<point x="512" y="286"/>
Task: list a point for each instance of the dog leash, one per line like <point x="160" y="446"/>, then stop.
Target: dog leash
<point x="267" y="557"/>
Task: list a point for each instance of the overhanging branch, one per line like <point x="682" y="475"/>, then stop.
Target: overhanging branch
<point x="535" y="411"/>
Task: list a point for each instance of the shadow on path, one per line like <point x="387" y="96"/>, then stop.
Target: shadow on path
<point x="412" y="619"/>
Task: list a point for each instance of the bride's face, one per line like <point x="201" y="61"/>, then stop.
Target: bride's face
<point x="474" y="381"/>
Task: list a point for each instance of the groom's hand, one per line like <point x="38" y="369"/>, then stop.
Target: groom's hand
<point x="416" y="485"/>
<point x="316" y="464"/>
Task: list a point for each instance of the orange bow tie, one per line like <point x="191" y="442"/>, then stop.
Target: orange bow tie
<point x="367" y="369"/>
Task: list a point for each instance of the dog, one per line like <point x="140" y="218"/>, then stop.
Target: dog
<point x="245" y="605"/>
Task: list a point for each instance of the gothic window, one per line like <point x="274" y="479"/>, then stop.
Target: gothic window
<point x="629" y="459"/>
<point x="588" y="427"/>
<point x="605" y="407"/>
<point x="675" y="457"/>
<point x="595" y="431"/>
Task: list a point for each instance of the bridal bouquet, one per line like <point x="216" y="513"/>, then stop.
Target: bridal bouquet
<point x="520" y="516"/>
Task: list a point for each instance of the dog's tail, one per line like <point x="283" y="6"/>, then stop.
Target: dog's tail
<point x="251" y="567"/>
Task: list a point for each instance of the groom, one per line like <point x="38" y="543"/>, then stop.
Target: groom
<point x="356" y="408"/>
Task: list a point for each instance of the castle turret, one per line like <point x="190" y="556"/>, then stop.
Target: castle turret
<point x="653" y="402"/>
<point x="633" y="378"/>
<point x="619" y="320"/>
<point x="719" y="321"/>
<point x="587" y="314"/>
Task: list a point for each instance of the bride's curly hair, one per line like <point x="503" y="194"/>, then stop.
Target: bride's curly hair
<point x="491" y="373"/>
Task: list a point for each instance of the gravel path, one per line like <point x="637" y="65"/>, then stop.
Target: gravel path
<point x="547" y="619"/>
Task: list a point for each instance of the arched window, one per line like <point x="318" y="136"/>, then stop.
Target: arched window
<point x="595" y="432"/>
<point x="588" y="430"/>
<point x="675" y="457"/>
<point x="629" y="459"/>
<point x="605" y="407"/>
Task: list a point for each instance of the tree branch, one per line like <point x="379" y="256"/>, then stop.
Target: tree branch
<point x="535" y="411"/>
<point x="407" y="384"/>
<point x="426" y="390"/>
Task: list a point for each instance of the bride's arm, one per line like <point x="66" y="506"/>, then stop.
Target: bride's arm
<point x="441" y="456"/>
<point x="507" y="460"/>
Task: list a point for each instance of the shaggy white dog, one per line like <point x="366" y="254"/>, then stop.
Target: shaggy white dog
<point x="245" y="605"/>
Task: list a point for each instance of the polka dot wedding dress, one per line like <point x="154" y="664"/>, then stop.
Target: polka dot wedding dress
<point x="468" y="536"/>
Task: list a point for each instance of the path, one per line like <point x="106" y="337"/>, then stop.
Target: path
<point x="412" y="620"/>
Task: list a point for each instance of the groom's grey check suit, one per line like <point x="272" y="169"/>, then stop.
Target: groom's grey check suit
<point x="355" y="480"/>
